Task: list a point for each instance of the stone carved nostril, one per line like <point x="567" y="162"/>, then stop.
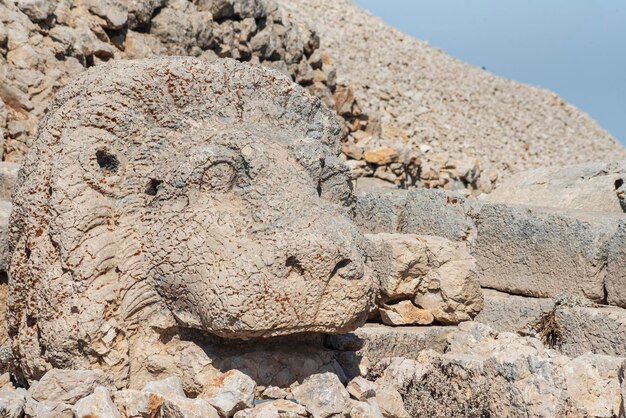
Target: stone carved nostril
<point x="340" y="267"/>
<point x="153" y="187"/>
<point x="293" y="264"/>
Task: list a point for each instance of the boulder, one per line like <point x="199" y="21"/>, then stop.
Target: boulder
<point x="511" y="313"/>
<point x="416" y="211"/>
<point x="382" y="155"/>
<point x="48" y="409"/>
<point x="361" y="389"/>
<point x="8" y="177"/>
<point x="541" y="254"/>
<point x="361" y="409"/>
<point x="274" y="392"/>
<point x="5" y="213"/>
<point x="589" y="187"/>
<point x="229" y="393"/>
<point x="275" y="409"/>
<point x="483" y="373"/>
<point x="600" y="330"/>
<point x="68" y="386"/>
<point x="98" y="404"/>
<point x="181" y="407"/>
<point x="135" y="403"/>
<point x="390" y="403"/>
<point x="260" y="149"/>
<point x="12" y="402"/>
<point x="438" y="275"/>
<point x="168" y="387"/>
<point x="323" y="395"/>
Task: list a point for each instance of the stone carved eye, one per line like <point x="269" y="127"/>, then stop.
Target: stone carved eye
<point x="219" y="176"/>
<point x="210" y="169"/>
<point x="107" y="161"/>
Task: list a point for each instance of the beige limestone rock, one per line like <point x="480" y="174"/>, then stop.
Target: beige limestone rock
<point x="323" y="395"/>
<point x="381" y="156"/>
<point x="274" y="392"/>
<point x="590" y="187"/>
<point x="542" y="253"/>
<point x="274" y="409"/>
<point x="229" y="393"/>
<point x="181" y="407"/>
<point x="600" y="330"/>
<point x="390" y="403"/>
<point x="436" y="274"/>
<point x="68" y="386"/>
<point x="8" y="177"/>
<point x="119" y="210"/>
<point x="135" y="403"/>
<point x="405" y="313"/>
<point x="483" y="372"/>
<point x="98" y="404"/>
<point x="362" y="349"/>
<point x="593" y="385"/>
<point x="361" y="409"/>
<point x="5" y="213"/>
<point x="12" y="402"/>
<point x="511" y="313"/>
<point x="48" y="409"/>
<point x="361" y="389"/>
<point x="169" y="387"/>
<point x="615" y="281"/>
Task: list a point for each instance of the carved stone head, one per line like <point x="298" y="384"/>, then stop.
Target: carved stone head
<point x="210" y="193"/>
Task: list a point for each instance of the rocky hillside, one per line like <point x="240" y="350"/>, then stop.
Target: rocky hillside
<point x="415" y="117"/>
<point x="446" y="108"/>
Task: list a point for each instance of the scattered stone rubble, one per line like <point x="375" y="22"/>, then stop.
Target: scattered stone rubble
<point x="452" y="125"/>
<point x="476" y="372"/>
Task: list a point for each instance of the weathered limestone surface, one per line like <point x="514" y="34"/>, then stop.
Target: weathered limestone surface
<point x="416" y="211"/>
<point x="8" y="177"/>
<point x="511" y="313"/>
<point x="363" y="348"/>
<point x="483" y="373"/>
<point x="5" y="213"/>
<point x="616" y="267"/>
<point x="172" y="193"/>
<point x="590" y="187"/>
<point x="521" y="250"/>
<point x="600" y="330"/>
<point x="437" y="275"/>
<point x="541" y="254"/>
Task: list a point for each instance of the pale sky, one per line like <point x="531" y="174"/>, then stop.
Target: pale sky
<point x="576" y="48"/>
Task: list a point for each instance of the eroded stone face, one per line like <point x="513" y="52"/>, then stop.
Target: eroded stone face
<point x="175" y="188"/>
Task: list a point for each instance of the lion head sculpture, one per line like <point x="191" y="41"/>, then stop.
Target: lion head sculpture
<point x="177" y="191"/>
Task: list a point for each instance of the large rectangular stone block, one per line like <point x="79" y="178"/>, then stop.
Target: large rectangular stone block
<point x="542" y="254"/>
<point x="528" y="251"/>
<point x="511" y="313"/>
<point x="601" y="330"/>
<point x="416" y="211"/>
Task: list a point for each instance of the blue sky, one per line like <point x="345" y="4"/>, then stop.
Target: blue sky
<point x="576" y="48"/>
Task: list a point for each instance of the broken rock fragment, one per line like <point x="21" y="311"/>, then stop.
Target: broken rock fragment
<point x="405" y="313"/>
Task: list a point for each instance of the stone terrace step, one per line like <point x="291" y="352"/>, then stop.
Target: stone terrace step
<point x="519" y="250"/>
